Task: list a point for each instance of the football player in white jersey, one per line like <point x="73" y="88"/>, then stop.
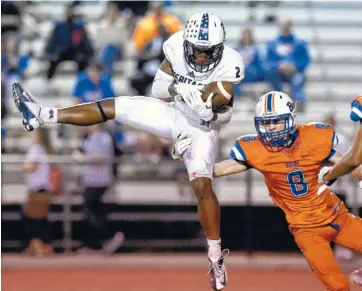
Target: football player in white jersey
<point x="195" y="57"/>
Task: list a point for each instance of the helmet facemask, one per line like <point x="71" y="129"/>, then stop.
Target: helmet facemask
<point x="276" y="140"/>
<point x="202" y="59"/>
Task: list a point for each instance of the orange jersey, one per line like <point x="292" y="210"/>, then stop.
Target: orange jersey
<point x="291" y="174"/>
<point x="356" y="109"/>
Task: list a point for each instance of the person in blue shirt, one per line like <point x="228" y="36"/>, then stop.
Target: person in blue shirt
<point x="249" y="51"/>
<point x="93" y="84"/>
<point x="287" y="58"/>
<point x="69" y="41"/>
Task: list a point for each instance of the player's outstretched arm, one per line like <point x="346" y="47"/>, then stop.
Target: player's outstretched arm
<point x="229" y="167"/>
<point x="88" y="113"/>
<point x="349" y="162"/>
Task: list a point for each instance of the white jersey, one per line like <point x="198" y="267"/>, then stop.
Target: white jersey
<point x="230" y="68"/>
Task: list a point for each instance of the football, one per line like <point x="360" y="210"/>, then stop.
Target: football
<point x="219" y="101"/>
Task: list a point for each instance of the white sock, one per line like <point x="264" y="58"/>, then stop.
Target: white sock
<point x="214" y="248"/>
<point x="49" y="115"/>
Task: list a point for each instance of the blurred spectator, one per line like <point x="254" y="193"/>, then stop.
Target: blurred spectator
<point x="157" y="22"/>
<point x="68" y="41"/>
<point x="287" y="59"/>
<point x="98" y="151"/>
<point x="249" y="51"/>
<point x="13" y="64"/>
<point x="10" y="17"/>
<point x="92" y="85"/>
<point x="339" y="187"/>
<point x="38" y="183"/>
<point x="112" y="35"/>
<point x="148" y="38"/>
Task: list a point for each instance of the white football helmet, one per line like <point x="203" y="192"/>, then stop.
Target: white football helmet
<point x="274" y="107"/>
<point x="204" y="38"/>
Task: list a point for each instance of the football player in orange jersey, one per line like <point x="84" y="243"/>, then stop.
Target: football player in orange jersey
<point x="353" y="158"/>
<point x="290" y="155"/>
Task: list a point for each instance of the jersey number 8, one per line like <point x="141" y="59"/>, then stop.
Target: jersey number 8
<point x="297" y="184"/>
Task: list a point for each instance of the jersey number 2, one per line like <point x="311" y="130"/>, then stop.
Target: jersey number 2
<point x="237" y="72"/>
<point x="297" y="183"/>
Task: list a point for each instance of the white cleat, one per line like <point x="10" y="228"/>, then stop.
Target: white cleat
<point x="218" y="274"/>
<point x="29" y="108"/>
<point x="356" y="277"/>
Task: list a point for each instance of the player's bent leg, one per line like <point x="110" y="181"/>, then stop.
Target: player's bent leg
<point x="146" y="113"/>
<point x="350" y="234"/>
<point x="315" y="245"/>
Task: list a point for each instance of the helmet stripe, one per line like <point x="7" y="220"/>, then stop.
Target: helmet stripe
<point x="269" y="102"/>
<point x="273" y="108"/>
<point x="204" y="27"/>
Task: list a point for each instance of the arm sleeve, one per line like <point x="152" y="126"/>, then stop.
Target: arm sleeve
<point x="161" y="83"/>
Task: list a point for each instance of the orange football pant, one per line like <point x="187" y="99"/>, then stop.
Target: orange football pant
<point x="314" y="243"/>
